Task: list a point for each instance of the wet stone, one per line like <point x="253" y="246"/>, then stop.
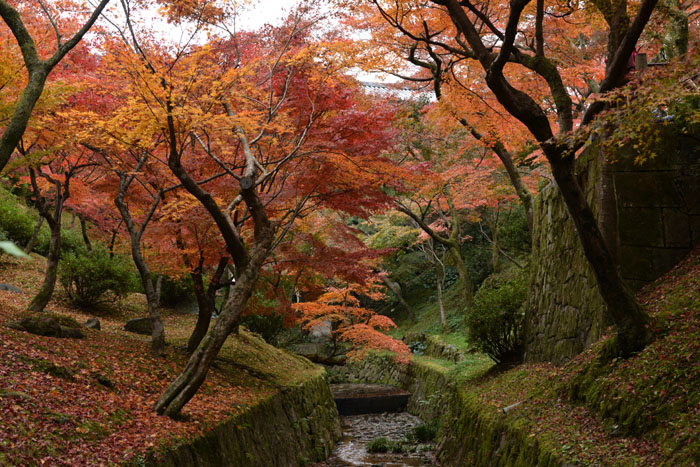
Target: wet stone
<point x="359" y="430"/>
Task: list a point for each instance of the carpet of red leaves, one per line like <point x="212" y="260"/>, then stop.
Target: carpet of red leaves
<point x="89" y="402"/>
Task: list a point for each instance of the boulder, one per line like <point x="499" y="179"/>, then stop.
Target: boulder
<point x="93" y="323"/>
<point x="140" y="326"/>
<point x="71" y="333"/>
<point x="41" y="326"/>
<point x="48" y="326"/>
<point x="10" y="288"/>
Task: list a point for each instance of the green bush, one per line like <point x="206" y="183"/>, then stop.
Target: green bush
<point x="425" y="432"/>
<point x="381" y="445"/>
<point x="17" y="223"/>
<point x="496" y="321"/>
<point x="71" y="241"/>
<point x="268" y="326"/>
<point x="175" y="290"/>
<point x="90" y="278"/>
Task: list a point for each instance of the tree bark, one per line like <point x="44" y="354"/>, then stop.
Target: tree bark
<point x="439" y="274"/>
<point x="396" y="290"/>
<point x="189" y="381"/>
<point x="152" y="297"/>
<point x="205" y="303"/>
<point x="45" y="293"/>
<point x="467" y="285"/>
<point x="84" y="231"/>
<point x="35" y="235"/>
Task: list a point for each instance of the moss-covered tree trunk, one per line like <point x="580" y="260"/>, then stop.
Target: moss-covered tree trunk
<point x="189" y="381"/>
<point x="396" y="290"/>
<point x="440" y="276"/>
<point x="465" y="281"/>
<point x="60" y="193"/>
<point x="45" y="293"/>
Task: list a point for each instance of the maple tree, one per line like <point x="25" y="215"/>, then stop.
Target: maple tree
<point x="270" y="112"/>
<point x="519" y="46"/>
<point x="352" y="322"/>
<point x="450" y="181"/>
<point x="55" y="21"/>
<point x="56" y="177"/>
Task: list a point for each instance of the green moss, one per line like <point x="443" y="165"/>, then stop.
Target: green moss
<point x="49" y="368"/>
<point x="64" y="320"/>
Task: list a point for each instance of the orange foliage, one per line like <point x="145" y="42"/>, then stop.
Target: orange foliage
<point x="352" y="322"/>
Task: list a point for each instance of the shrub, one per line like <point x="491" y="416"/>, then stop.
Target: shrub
<point x="88" y="276"/>
<point x="496" y="320"/>
<point x="71" y="241"/>
<point x="268" y="326"/>
<point x="425" y="432"/>
<point x="381" y="445"/>
<point x="175" y="290"/>
<point x="17" y="223"/>
<point x="378" y="445"/>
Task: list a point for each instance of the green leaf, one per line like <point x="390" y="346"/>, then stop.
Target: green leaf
<point x="11" y="249"/>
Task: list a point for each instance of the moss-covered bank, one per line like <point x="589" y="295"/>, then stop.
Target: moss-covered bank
<point x="295" y="426"/>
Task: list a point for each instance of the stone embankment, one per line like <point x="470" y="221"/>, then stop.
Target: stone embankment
<point x="294" y="427"/>
<point x="471" y="434"/>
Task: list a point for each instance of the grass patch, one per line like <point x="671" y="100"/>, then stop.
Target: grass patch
<point x="383" y="445"/>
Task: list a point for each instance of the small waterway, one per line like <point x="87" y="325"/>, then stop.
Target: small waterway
<point x="358" y="430"/>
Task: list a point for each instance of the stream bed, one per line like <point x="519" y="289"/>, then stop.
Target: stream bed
<point x="397" y="428"/>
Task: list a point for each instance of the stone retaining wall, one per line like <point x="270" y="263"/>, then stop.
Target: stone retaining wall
<point x="472" y="437"/>
<point x="650" y="217"/>
<point x="294" y="427"/>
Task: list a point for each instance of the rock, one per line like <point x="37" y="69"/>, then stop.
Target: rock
<point x="10" y="288"/>
<point x="71" y="333"/>
<point x="41" y="326"/>
<point x="93" y="323"/>
<point x="140" y="326"/>
<point x="47" y="326"/>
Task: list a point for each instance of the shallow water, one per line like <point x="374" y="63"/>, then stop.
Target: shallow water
<point x="358" y="430"/>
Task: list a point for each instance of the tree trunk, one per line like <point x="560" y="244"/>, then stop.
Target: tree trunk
<point x="188" y="382"/>
<point x="396" y="290"/>
<point x="112" y="242"/>
<point x="495" y="250"/>
<point x="84" y="231"/>
<point x="206" y="310"/>
<point x="44" y="296"/>
<point x="440" y="279"/>
<point x="206" y="301"/>
<point x="152" y="297"/>
<point x="23" y="111"/>
<point x="35" y="235"/>
<point x="467" y="286"/>
<point x="631" y="320"/>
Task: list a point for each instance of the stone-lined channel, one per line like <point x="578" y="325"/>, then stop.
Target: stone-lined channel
<point x="358" y="430"/>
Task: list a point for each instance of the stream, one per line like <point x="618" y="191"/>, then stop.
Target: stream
<point x="359" y="430"/>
